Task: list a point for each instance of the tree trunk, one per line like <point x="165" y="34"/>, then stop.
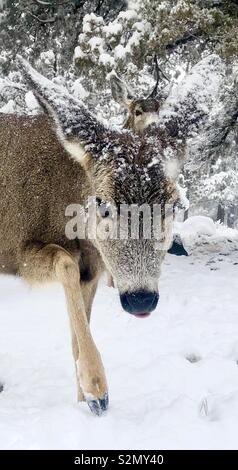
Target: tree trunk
<point x="220" y="213"/>
<point x="187" y="210"/>
<point x="231" y="216"/>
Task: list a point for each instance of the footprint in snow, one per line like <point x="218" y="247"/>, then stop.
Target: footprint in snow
<point x="193" y="358"/>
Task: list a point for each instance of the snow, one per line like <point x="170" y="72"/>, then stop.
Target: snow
<point x="106" y="59"/>
<point x="183" y="200"/>
<point x="199" y="234"/>
<point x="173" y="377"/>
<point x="133" y="4"/>
<point x="2" y="4"/>
<point x="48" y="57"/>
<point x="141" y="26"/>
<point x="78" y="90"/>
<point x="171" y="164"/>
<point x="95" y="42"/>
<point x="133" y="41"/>
<point x="198" y="88"/>
<point x="92" y="22"/>
<point x="128" y="15"/>
<point x="31" y="102"/>
<point x="78" y="53"/>
<point x="8" y="107"/>
<point x="120" y="51"/>
<point x="199" y="225"/>
<point x="112" y="29"/>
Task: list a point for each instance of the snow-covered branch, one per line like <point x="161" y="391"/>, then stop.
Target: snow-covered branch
<point x="219" y="125"/>
<point x="5" y="83"/>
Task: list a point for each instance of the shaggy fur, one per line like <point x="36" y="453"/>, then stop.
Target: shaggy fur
<point x="38" y="180"/>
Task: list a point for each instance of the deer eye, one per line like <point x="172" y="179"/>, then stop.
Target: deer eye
<point x="103" y="208"/>
<point x="138" y="112"/>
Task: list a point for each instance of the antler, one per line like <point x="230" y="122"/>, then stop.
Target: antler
<point x="158" y="73"/>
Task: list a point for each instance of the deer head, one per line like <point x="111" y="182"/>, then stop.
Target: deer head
<point x="124" y="170"/>
<point x="142" y="111"/>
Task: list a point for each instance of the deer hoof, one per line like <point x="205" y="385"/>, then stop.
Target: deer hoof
<point x="98" y="405"/>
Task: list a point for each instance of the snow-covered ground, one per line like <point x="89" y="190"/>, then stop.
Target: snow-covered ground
<point x="173" y="377"/>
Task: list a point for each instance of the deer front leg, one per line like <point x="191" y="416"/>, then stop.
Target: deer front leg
<point x="54" y="263"/>
<point x="75" y="351"/>
<point x="88" y="291"/>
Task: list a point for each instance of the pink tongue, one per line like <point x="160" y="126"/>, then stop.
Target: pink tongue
<point x="142" y="315"/>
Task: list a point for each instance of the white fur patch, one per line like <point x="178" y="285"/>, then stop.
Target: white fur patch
<point x="89" y="396"/>
<point x="172" y="168"/>
<point x="151" y="118"/>
<point x="75" y="150"/>
<point x="78" y="369"/>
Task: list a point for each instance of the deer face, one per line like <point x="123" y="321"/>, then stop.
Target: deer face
<point x="127" y="172"/>
<point x="141" y="111"/>
<point x="132" y="181"/>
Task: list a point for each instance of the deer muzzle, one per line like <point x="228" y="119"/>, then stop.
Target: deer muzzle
<point x="140" y="303"/>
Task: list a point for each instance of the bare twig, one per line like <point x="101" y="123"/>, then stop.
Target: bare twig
<point x="49" y="20"/>
<point x="161" y="72"/>
<point x="51" y="4"/>
<point x="157" y="77"/>
<point x="99" y="5"/>
<point x="41" y="2"/>
<point x="158" y="73"/>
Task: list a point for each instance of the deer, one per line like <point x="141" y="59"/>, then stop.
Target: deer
<point x="142" y="111"/>
<point x="66" y="156"/>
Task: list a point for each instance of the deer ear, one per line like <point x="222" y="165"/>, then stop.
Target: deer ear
<point x="120" y="91"/>
<point x="76" y="128"/>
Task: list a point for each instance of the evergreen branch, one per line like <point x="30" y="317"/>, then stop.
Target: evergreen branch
<point x="184" y="40"/>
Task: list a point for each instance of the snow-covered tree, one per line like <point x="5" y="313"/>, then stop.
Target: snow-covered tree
<point x="78" y="43"/>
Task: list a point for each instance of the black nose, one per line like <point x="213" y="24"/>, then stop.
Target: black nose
<point x="140" y="302"/>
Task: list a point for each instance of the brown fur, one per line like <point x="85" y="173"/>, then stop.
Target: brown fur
<point x="37" y="181"/>
<point x="35" y="177"/>
<point x="141" y="111"/>
<point x="146" y="107"/>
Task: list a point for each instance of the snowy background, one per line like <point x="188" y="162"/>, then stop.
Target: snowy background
<point x="79" y="43"/>
<point x="173" y="378"/>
